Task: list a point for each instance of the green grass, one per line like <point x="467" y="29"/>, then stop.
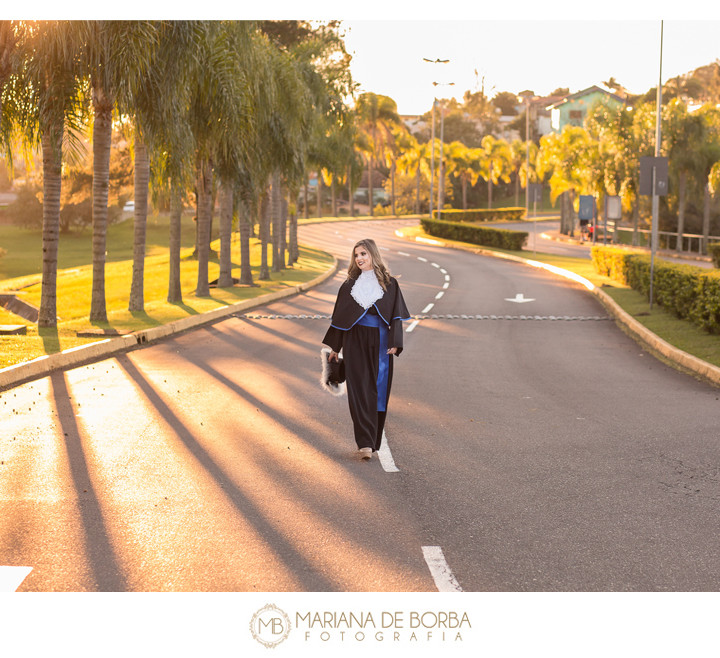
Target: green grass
<point x="681" y="333"/>
<point x="75" y="285"/>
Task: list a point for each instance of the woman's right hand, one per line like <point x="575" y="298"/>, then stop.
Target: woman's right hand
<point x="333" y="356"/>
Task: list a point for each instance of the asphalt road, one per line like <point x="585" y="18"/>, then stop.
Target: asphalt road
<point x="537" y="448"/>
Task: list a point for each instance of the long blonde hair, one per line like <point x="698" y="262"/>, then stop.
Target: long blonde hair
<point x="381" y="271"/>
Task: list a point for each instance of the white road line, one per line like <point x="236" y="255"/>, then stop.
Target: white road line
<point x="435" y="265"/>
<point x="12" y="577"/>
<point x="446" y="285"/>
<point x="424" y="260"/>
<point x="439" y="569"/>
<point x="447" y="277"/>
<point x="412" y="326"/>
<point x="384" y="248"/>
<point x="427" y="308"/>
<point x="439" y="295"/>
<point x="386" y="458"/>
<point x="402" y="253"/>
<point x="443" y="270"/>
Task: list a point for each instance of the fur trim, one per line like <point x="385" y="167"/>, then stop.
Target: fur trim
<point x="334" y="389"/>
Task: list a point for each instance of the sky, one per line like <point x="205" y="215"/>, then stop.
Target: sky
<point x="515" y="55"/>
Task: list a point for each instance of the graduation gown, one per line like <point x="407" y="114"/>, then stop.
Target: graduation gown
<point x="365" y="335"/>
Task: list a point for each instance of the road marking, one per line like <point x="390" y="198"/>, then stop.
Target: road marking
<point x="402" y="253"/>
<point x="519" y="299"/>
<point x="443" y="270"/>
<point x="427" y="308"/>
<point x="439" y="295"/>
<point x="386" y="458"/>
<point x="424" y="260"/>
<point x="440" y="570"/>
<point x="446" y="285"/>
<point x="427" y="240"/>
<point x="447" y="277"/>
<point x="384" y="248"/>
<point x="412" y="326"/>
<point x="12" y="577"/>
<point x="435" y="265"/>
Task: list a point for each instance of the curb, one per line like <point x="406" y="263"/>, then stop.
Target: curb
<point x="637" y="331"/>
<point x="75" y="356"/>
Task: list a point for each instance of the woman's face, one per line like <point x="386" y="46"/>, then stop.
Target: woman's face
<point x="363" y="259"/>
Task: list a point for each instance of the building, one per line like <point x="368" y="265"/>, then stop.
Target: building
<point x="572" y="109"/>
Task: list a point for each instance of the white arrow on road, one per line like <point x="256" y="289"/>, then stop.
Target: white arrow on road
<point x="519" y="299"/>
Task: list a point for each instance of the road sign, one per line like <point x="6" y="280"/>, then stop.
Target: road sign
<point x="613" y="207"/>
<point x="647" y="164"/>
<point x="586" y="209"/>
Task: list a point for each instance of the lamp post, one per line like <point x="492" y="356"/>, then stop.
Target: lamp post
<point x="441" y="179"/>
<point x="655" y="197"/>
<point x="432" y="137"/>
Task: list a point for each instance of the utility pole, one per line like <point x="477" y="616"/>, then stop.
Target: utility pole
<point x="655" y="197"/>
<point x="432" y="137"/>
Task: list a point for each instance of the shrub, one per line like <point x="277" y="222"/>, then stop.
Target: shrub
<point x="481" y="215"/>
<point x="686" y="291"/>
<point x="714" y="251"/>
<point x="488" y="237"/>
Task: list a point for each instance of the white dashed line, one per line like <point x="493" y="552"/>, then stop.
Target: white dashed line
<point x="424" y="260"/>
<point x="439" y="295"/>
<point x="447" y="277"/>
<point x="435" y="265"/>
<point x="402" y="253"/>
<point x="386" y="458"/>
<point x="427" y="308"/>
<point x="446" y="285"/>
<point x="443" y="270"/>
<point x="440" y="570"/>
<point x="412" y="326"/>
<point x="12" y="577"/>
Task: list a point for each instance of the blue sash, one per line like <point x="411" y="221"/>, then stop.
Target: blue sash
<point x="368" y="320"/>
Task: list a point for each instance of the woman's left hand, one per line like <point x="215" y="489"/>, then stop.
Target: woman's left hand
<point x="392" y="350"/>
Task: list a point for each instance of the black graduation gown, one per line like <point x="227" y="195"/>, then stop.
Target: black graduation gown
<point x="363" y="349"/>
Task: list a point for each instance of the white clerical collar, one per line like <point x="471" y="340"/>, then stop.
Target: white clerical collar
<point x="366" y="290"/>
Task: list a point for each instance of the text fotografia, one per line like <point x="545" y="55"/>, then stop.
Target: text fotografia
<point x="386" y="626"/>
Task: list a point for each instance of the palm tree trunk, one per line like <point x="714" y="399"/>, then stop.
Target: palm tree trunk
<point x="636" y="222"/>
<point x="319" y="195"/>
<point x="392" y="188"/>
<point x="681" y="212"/>
<point x="370" y="187"/>
<point x="417" y="191"/>
<point x="142" y="180"/>
<point x="464" y="192"/>
<point x="283" y="231"/>
<point x="225" y="279"/>
<point x="307" y="207"/>
<point x="333" y="197"/>
<point x="517" y="189"/>
<point x="351" y="197"/>
<point x="264" y="230"/>
<point x="706" y="219"/>
<point x="275" y="201"/>
<point x="490" y="187"/>
<point x="204" y="196"/>
<point x="176" y="207"/>
<point x="102" y="133"/>
<point x="244" y="228"/>
<point x="52" y="182"/>
<point x="293" y="250"/>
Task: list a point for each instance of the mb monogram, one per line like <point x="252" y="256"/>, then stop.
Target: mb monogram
<point x="270" y="626"/>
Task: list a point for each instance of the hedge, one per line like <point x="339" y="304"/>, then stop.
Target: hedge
<point x="714" y="251"/>
<point x="480" y="215"/>
<point x="686" y="291"/>
<point x="487" y="237"/>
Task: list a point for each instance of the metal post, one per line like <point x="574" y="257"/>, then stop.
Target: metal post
<point x="527" y="154"/>
<point x="441" y="177"/>
<point x="432" y="158"/>
<point x="655" y="198"/>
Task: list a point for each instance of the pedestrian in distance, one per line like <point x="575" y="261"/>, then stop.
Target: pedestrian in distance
<point x="366" y="326"/>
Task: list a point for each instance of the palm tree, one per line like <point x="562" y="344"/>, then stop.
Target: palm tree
<point x="117" y="54"/>
<point x="377" y="115"/>
<point x="495" y="162"/>
<point x="465" y="164"/>
<point x="42" y="95"/>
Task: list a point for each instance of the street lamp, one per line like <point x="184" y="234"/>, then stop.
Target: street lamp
<point x="432" y="136"/>
<point x="441" y="178"/>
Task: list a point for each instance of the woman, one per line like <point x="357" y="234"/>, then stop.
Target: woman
<point x="367" y="325"/>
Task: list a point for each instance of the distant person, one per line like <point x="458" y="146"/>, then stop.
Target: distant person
<point x="367" y="326"/>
